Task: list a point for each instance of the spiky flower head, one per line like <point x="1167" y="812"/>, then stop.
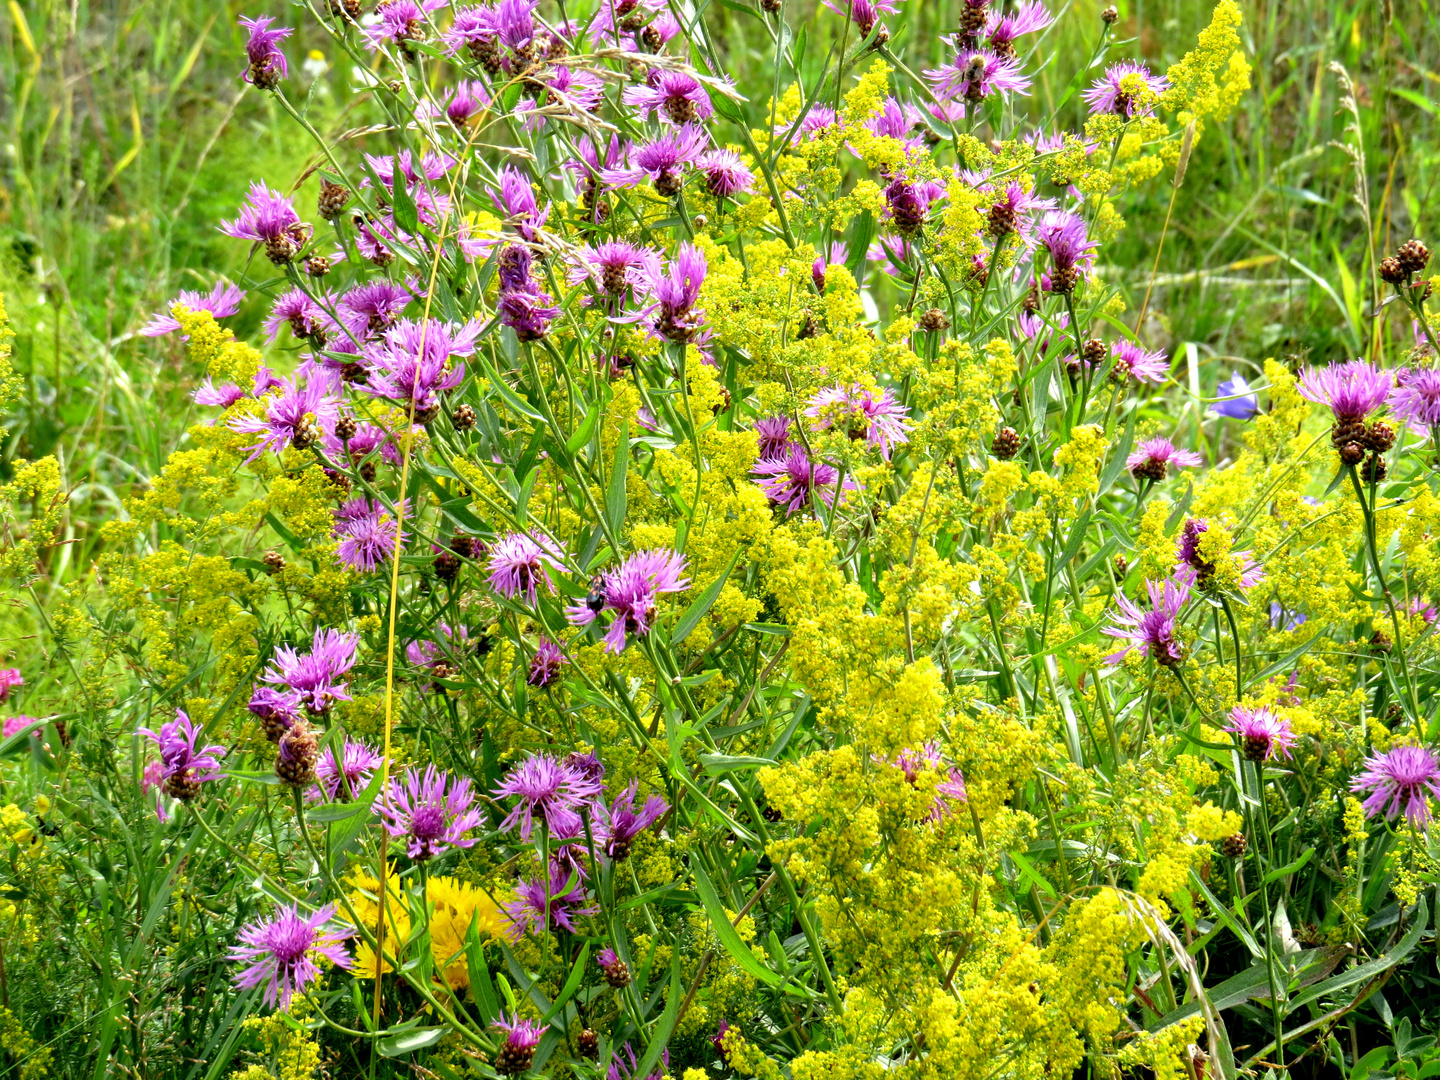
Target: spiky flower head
<point x="1400" y="780"/>
<point x="1152" y="631"/>
<point x="280" y="952"/>
<point x="431" y="811"/>
<point x="1263" y="734"/>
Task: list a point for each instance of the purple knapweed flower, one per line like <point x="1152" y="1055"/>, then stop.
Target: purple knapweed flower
<point x="773" y="435"/>
<point x="367" y="310"/>
<point x="976" y="74"/>
<point x="675" y="96"/>
<point x="621" y="823"/>
<point x="1071" y="250"/>
<point x="518" y="565"/>
<point x="549" y="787"/>
<point x="792" y="480"/>
<point x="9" y="679"/>
<point x="368" y="532"/>
<point x="269" y="218"/>
<point x="518" y="1050"/>
<point x="1352" y="390"/>
<point x="950" y="789"/>
<point x="343" y="781"/>
<point x="877" y="418"/>
<point x="307" y="319"/>
<point x="1400" y="780"/>
<point x="432" y="812"/>
<point x="295" y="417"/>
<point x="523" y="306"/>
<point x="907" y="204"/>
<point x="1137" y="363"/>
<point x="1001" y="31"/>
<point x="1127" y="89"/>
<point x="400" y="21"/>
<point x="1262" y="733"/>
<point x="413" y="362"/>
<point x="549" y="902"/>
<point x="663" y="161"/>
<point x="676" y="290"/>
<point x="615" y="267"/>
<point x="628" y="595"/>
<point x="1197" y="570"/>
<point x="516" y="200"/>
<point x="267" y="62"/>
<point x="1241" y="403"/>
<point x="1415" y="399"/>
<point x="1152" y="459"/>
<point x="280" y="952"/>
<point x="1153" y="631"/>
<point x="276" y="709"/>
<point x="725" y="173"/>
<point x="185" y="764"/>
<point x="863" y="13"/>
<point x="619" y="1068"/>
<point x="316" y="675"/>
<point x="222" y="301"/>
<point x="14" y="725"/>
<point x="1426" y="611"/>
<point x="545" y="665"/>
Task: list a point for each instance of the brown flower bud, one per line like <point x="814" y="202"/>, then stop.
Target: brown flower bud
<point x="1233" y="847"/>
<point x="274" y="562"/>
<point x="1006" y="444"/>
<point x="1413" y="256"/>
<point x="463" y="417"/>
<point x="933" y="321"/>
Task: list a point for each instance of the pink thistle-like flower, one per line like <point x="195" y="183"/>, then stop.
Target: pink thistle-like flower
<point x="1000" y="32"/>
<point x="1262" y="733"/>
<point x="545" y="665"/>
<point x="663" y="160"/>
<point x="518" y="1050"/>
<point x="367" y="310"/>
<point x="518" y="565"/>
<point x="276" y="709"/>
<point x="550" y="788"/>
<point x="548" y="902"/>
<point x="1122" y="89"/>
<point x="9" y="679"/>
<point x="1153" y="631"/>
<point x="950" y="789"/>
<point x="1139" y="364"/>
<point x="1424" y="610"/>
<point x="297" y="417"/>
<point x="877" y="418"/>
<point x="343" y="781"/>
<point x="1063" y="235"/>
<point x="1415" y="399"/>
<point x="307" y="319"/>
<point x="977" y="74"/>
<point x="725" y="173"/>
<point x="793" y="480"/>
<point x="676" y="290"/>
<point x="1353" y="390"/>
<point x="621" y="823"/>
<point x="368" y="532"/>
<point x="1197" y="569"/>
<point x="431" y="811"/>
<point x="615" y="267"/>
<point x="676" y="97"/>
<point x="316" y="675"/>
<point x="186" y="764"/>
<point x="224" y="395"/>
<point x="400" y="21"/>
<point x="267" y="62"/>
<point x="269" y="218"/>
<point x="1154" y="457"/>
<point x="413" y="362"/>
<point x="280" y="952"/>
<point x="1399" y="780"/>
<point x="628" y="595"/>
<point x="773" y="435"/>
<point x="222" y="301"/>
<point x="516" y="200"/>
<point x="863" y="13"/>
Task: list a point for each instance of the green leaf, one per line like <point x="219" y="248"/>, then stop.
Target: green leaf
<point x="410" y="1041"/>
<point x="522" y="502"/>
<point x="1181" y="507"/>
<point x="665" y="1026"/>
<point x="571" y="985"/>
<point x="402" y="202"/>
<point x="1077" y="537"/>
<point x="738" y="950"/>
<point x="481" y="986"/>
<point x="1365" y="972"/>
<point x="719" y="764"/>
<point x="1227" y="917"/>
<point x="515" y="402"/>
<point x="701" y="606"/>
<point x="328" y="812"/>
<point x="1122" y="451"/>
<point x="1290" y="868"/>
<point x="615" y="490"/>
<point x="586" y="429"/>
